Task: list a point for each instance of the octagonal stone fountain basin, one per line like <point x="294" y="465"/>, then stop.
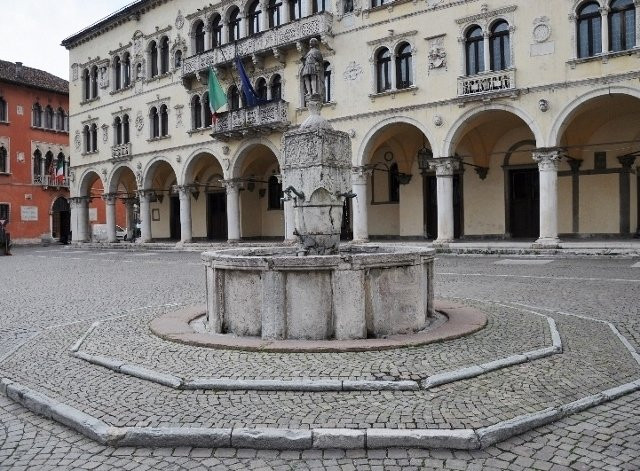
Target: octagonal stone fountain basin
<point x="365" y="291"/>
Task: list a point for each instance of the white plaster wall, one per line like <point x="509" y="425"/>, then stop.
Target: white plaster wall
<point x="411" y="210"/>
<point x="199" y="216"/>
<point x="484" y="202"/>
<point x="599" y="204"/>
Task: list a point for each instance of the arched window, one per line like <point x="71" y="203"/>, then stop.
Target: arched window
<point x="117" y="67"/>
<point x="3" y="109"/>
<point x="37" y="162"/>
<point x="164" y="121"/>
<point x="126" y="65"/>
<point x="48" y="117"/>
<point x="318" y="6"/>
<point x="403" y="66"/>
<point x="274" y="189"/>
<point x="589" y="30"/>
<point x="86" y="136"/>
<point x="153" y="59"/>
<point x="500" y="46"/>
<point x="61" y="124"/>
<point x="474" y="45"/>
<point x="37" y="115"/>
<point x="86" y="84"/>
<point x="622" y="25"/>
<point x="261" y="88"/>
<point x="199" y="37"/>
<point x="328" y="92"/>
<point x="49" y="165"/>
<point x="378" y="3"/>
<point x="94" y="137"/>
<point x="295" y="9"/>
<point x="4" y="164"/>
<point x="164" y="55"/>
<point x="117" y="130"/>
<point x="125" y="129"/>
<point x="154" y="120"/>
<point x="196" y="112"/>
<point x="234" y="98"/>
<point x="207" y="110"/>
<point x="276" y="88"/>
<point x="383" y="77"/>
<point x="394" y="183"/>
<point x="234" y="24"/>
<point x="177" y="59"/>
<point x="94" y="81"/>
<point x="254" y="17"/>
<point x="347" y="6"/>
<point x="275" y="13"/>
<point x="216" y="31"/>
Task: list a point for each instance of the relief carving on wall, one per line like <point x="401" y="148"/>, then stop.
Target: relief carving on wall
<point x="105" y="133"/>
<point x="179" y="20"/>
<point x="353" y="72"/>
<point x="437" y="55"/>
<point x="178" y="109"/>
<point x="77" y="140"/>
<point x="139" y="123"/>
<point x="74" y="72"/>
<point x="103" y="79"/>
<point x="541" y="29"/>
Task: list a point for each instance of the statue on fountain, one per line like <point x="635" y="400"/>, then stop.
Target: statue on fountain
<point x="313" y="73"/>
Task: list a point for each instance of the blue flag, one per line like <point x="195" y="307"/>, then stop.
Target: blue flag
<point x="250" y="95"/>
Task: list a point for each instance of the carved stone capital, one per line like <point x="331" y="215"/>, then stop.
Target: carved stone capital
<point x="547" y="159"/>
<point x="145" y="194"/>
<point x="445" y="166"/>
<point x="575" y="165"/>
<point x="360" y="175"/>
<point x="78" y="201"/>
<point x="626" y="161"/>
<point x="109" y="198"/>
<point x="232" y="185"/>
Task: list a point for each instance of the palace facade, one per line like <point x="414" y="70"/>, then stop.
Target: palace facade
<point x="468" y="118"/>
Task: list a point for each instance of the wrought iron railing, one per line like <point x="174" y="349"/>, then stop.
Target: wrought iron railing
<point x="51" y="180"/>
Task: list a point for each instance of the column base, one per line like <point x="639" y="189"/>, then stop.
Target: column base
<point x="360" y="241"/>
<point x="546" y="243"/>
<point x="443" y="243"/>
<point x="233" y="241"/>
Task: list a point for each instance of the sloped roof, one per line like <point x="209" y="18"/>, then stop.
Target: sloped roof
<point x="15" y="72"/>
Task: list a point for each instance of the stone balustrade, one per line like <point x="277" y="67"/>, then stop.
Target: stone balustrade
<point x="270" y="41"/>
<point x="121" y="152"/>
<point x="486" y="82"/>
<point x="238" y="123"/>
<point x="51" y="180"/>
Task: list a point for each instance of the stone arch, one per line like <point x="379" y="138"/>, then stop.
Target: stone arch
<point x="114" y="177"/>
<point x="365" y="146"/>
<point x="449" y="144"/>
<point x="576" y="4"/>
<point x="565" y="116"/>
<point x="86" y="179"/>
<point x="243" y="150"/>
<point x="189" y="162"/>
<point x="147" y="172"/>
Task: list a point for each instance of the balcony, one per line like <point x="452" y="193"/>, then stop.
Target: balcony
<point x="272" y="41"/>
<point x="48" y="181"/>
<point x="121" y="152"/>
<point x="487" y="82"/>
<point x="236" y="124"/>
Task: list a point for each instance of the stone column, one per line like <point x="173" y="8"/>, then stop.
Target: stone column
<point x="264" y="15"/>
<point x="110" y="206"/>
<point x="145" y="215"/>
<point x="207" y="36"/>
<point x="547" y="160"/>
<point x="392" y="71"/>
<point x="184" y="192"/>
<point x="575" y="194"/>
<point x="307" y="7"/>
<point x="445" y="168"/>
<point x="289" y="221"/>
<point x="359" y="183"/>
<point x="625" y="192"/>
<point x="233" y="209"/>
<point x="286" y="17"/>
<point x="487" y="51"/>
<point x="604" y="12"/>
<point x="80" y="217"/>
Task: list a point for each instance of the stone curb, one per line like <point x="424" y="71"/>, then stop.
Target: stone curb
<point x="291" y="439"/>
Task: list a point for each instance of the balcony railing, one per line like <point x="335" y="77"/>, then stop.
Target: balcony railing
<point x="50" y="180"/>
<point x="270" y="116"/>
<point x="260" y="44"/>
<point x="487" y="82"/>
<point x="121" y="152"/>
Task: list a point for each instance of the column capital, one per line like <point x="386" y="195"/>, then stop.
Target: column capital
<point x="360" y="175"/>
<point x="445" y="166"/>
<point x="575" y="165"/>
<point x="78" y="200"/>
<point x="183" y="190"/>
<point x="129" y="200"/>
<point x="548" y="158"/>
<point x="626" y="161"/>
<point x="142" y="193"/>
<point x="233" y="184"/>
<point x="109" y="198"/>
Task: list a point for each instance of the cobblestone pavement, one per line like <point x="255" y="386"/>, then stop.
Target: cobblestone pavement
<point x="91" y="285"/>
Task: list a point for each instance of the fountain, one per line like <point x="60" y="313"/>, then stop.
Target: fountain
<point x="318" y="290"/>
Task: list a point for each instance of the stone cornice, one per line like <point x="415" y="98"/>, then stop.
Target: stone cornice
<point x="486" y="15"/>
<point x="121" y="49"/>
<point x="157" y="32"/>
<point x="393" y="37"/>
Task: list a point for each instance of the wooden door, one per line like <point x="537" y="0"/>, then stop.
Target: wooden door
<point x="217" y="216"/>
<point x="524" y="203"/>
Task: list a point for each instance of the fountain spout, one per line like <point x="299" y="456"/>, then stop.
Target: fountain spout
<point x="290" y="189"/>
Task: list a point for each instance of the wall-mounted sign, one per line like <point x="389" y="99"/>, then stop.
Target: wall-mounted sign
<point x="29" y="213"/>
<point x="93" y="214"/>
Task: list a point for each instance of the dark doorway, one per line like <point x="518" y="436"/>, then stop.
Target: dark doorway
<point x="524" y="203"/>
<point x="346" y="230"/>
<point x="430" y="202"/>
<point x="217" y="216"/>
<point x="174" y="217"/>
<point x="61" y="220"/>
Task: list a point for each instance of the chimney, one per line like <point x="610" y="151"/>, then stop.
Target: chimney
<point x="18" y="68"/>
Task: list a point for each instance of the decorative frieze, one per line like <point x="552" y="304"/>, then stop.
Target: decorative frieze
<point x="487" y="82"/>
<point x="121" y="152"/>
